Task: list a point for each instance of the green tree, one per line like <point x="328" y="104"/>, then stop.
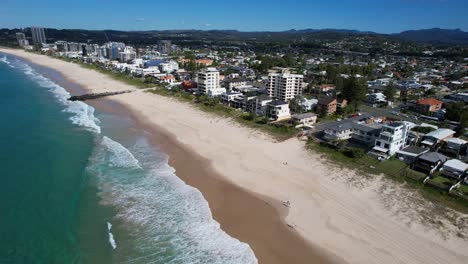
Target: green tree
<point x="191" y="65"/>
<point x="463" y="123"/>
<point x="390" y="91"/>
<point x="454" y="111"/>
<point x="339" y="84"/>
<point x="295" y="105"/>
<point x="332" y="73"/>
<point x="354" y="90"/>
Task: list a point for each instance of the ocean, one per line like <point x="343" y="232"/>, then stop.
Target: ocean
<point x="85" y="186"/>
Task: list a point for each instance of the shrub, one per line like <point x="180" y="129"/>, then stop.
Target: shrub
<point x="354" y="153"/>
<point x="248" y="117"/>
<point x="263" y="120"/>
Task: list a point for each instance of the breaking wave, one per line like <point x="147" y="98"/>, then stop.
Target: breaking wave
<point x="82" y="114"/>
<point x="171" y="221"/>
<point x="165" y="220"/>
<point x="111" y="236"/>
<point x="5" y="60"/>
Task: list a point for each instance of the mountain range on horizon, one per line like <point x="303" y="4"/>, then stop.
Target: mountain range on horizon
<point x="435" y="36"/>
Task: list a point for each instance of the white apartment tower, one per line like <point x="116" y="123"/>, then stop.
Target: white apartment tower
<point x="283" y="85"/>
<point x="208" y="80"/>
<point x="21" y="38"/>
<point x="38" y="35"/>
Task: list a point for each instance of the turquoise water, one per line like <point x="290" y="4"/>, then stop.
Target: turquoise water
<point x="80" y="186"/>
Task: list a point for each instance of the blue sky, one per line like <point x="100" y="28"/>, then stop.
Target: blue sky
<point x="384" y="16"/>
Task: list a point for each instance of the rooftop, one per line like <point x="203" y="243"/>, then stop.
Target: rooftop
<point x="367" y="128"/>
<point x="440" y="133"/>
<point x="457" y="164"/>
<point x="394" y="124"/>
<point x="342" y="126"/>
<point x="429" y="101"/>
<point x="277" y="103"/>
<point x="433" y="157"/>
<point x="304" y="115"/>
<point x="414" y="150"/>
<point x="458" y="141"/>
<point x="326" y="100"/>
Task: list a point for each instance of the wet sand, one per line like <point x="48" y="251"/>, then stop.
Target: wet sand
<point x="251" y="218"/>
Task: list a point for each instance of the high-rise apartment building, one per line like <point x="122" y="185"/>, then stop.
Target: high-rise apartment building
<point x="165" y="46"/>
<point x="208" y="80"/>
<point x="283" y="85"/>
<point x="38" y="35"/>
<point x="21" y="37"/>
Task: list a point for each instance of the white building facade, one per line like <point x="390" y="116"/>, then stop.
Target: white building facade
<point x="284" y="86"/>
<point x="208" y="82"/>
<point x="278" y="110"/>
<point x="393" y="138"/>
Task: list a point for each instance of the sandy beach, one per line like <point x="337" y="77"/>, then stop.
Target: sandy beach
<point x="337" y="216"/>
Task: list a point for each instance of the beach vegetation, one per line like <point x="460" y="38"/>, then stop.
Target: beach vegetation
<point x="393" y="169"/>
<point x="278" y="130"/>
<point x="463" y="188"/>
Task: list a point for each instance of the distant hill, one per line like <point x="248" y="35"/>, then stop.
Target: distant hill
<point x="435" y="36"/>
<point x="344" y="31"/>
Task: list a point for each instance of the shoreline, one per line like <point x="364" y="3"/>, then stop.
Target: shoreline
<point x="256" y="220"/>
<point x="351" y="225"/>
<point x="251" y="218"/>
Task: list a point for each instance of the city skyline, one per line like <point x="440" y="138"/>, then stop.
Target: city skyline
<point x="388" y="17"/>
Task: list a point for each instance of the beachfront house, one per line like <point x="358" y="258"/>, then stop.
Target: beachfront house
<point x="228" y="98"/>
<point x="409" y="154"/>
<point x="437" y="136"/>
<point x="366" y="134"/>
<point x="429" y="162"/>
<point x="278" y="110"/>
<point x="305" y="119"/>
<point x="361" y="133"/>
<point x="339" y="132"/>
<point x="456" y="145"/>
<point x="454" y="169"/>
<point x="258" y="105"/>
<point x="393" y="137"/>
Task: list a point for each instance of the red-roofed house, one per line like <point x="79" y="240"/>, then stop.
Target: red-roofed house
<point x="167" y="79"/>
<point x="428" y="105"/>
<point x="189" y="84"/>
<point x="326" y="87"/>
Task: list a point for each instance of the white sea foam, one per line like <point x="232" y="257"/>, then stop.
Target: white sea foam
<point x="5" y="60"/>
<point x="170" y="221"/>
<point x="111" y="236"/>
<point x="122" y="157"/>
<point x="81" y="113"/>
